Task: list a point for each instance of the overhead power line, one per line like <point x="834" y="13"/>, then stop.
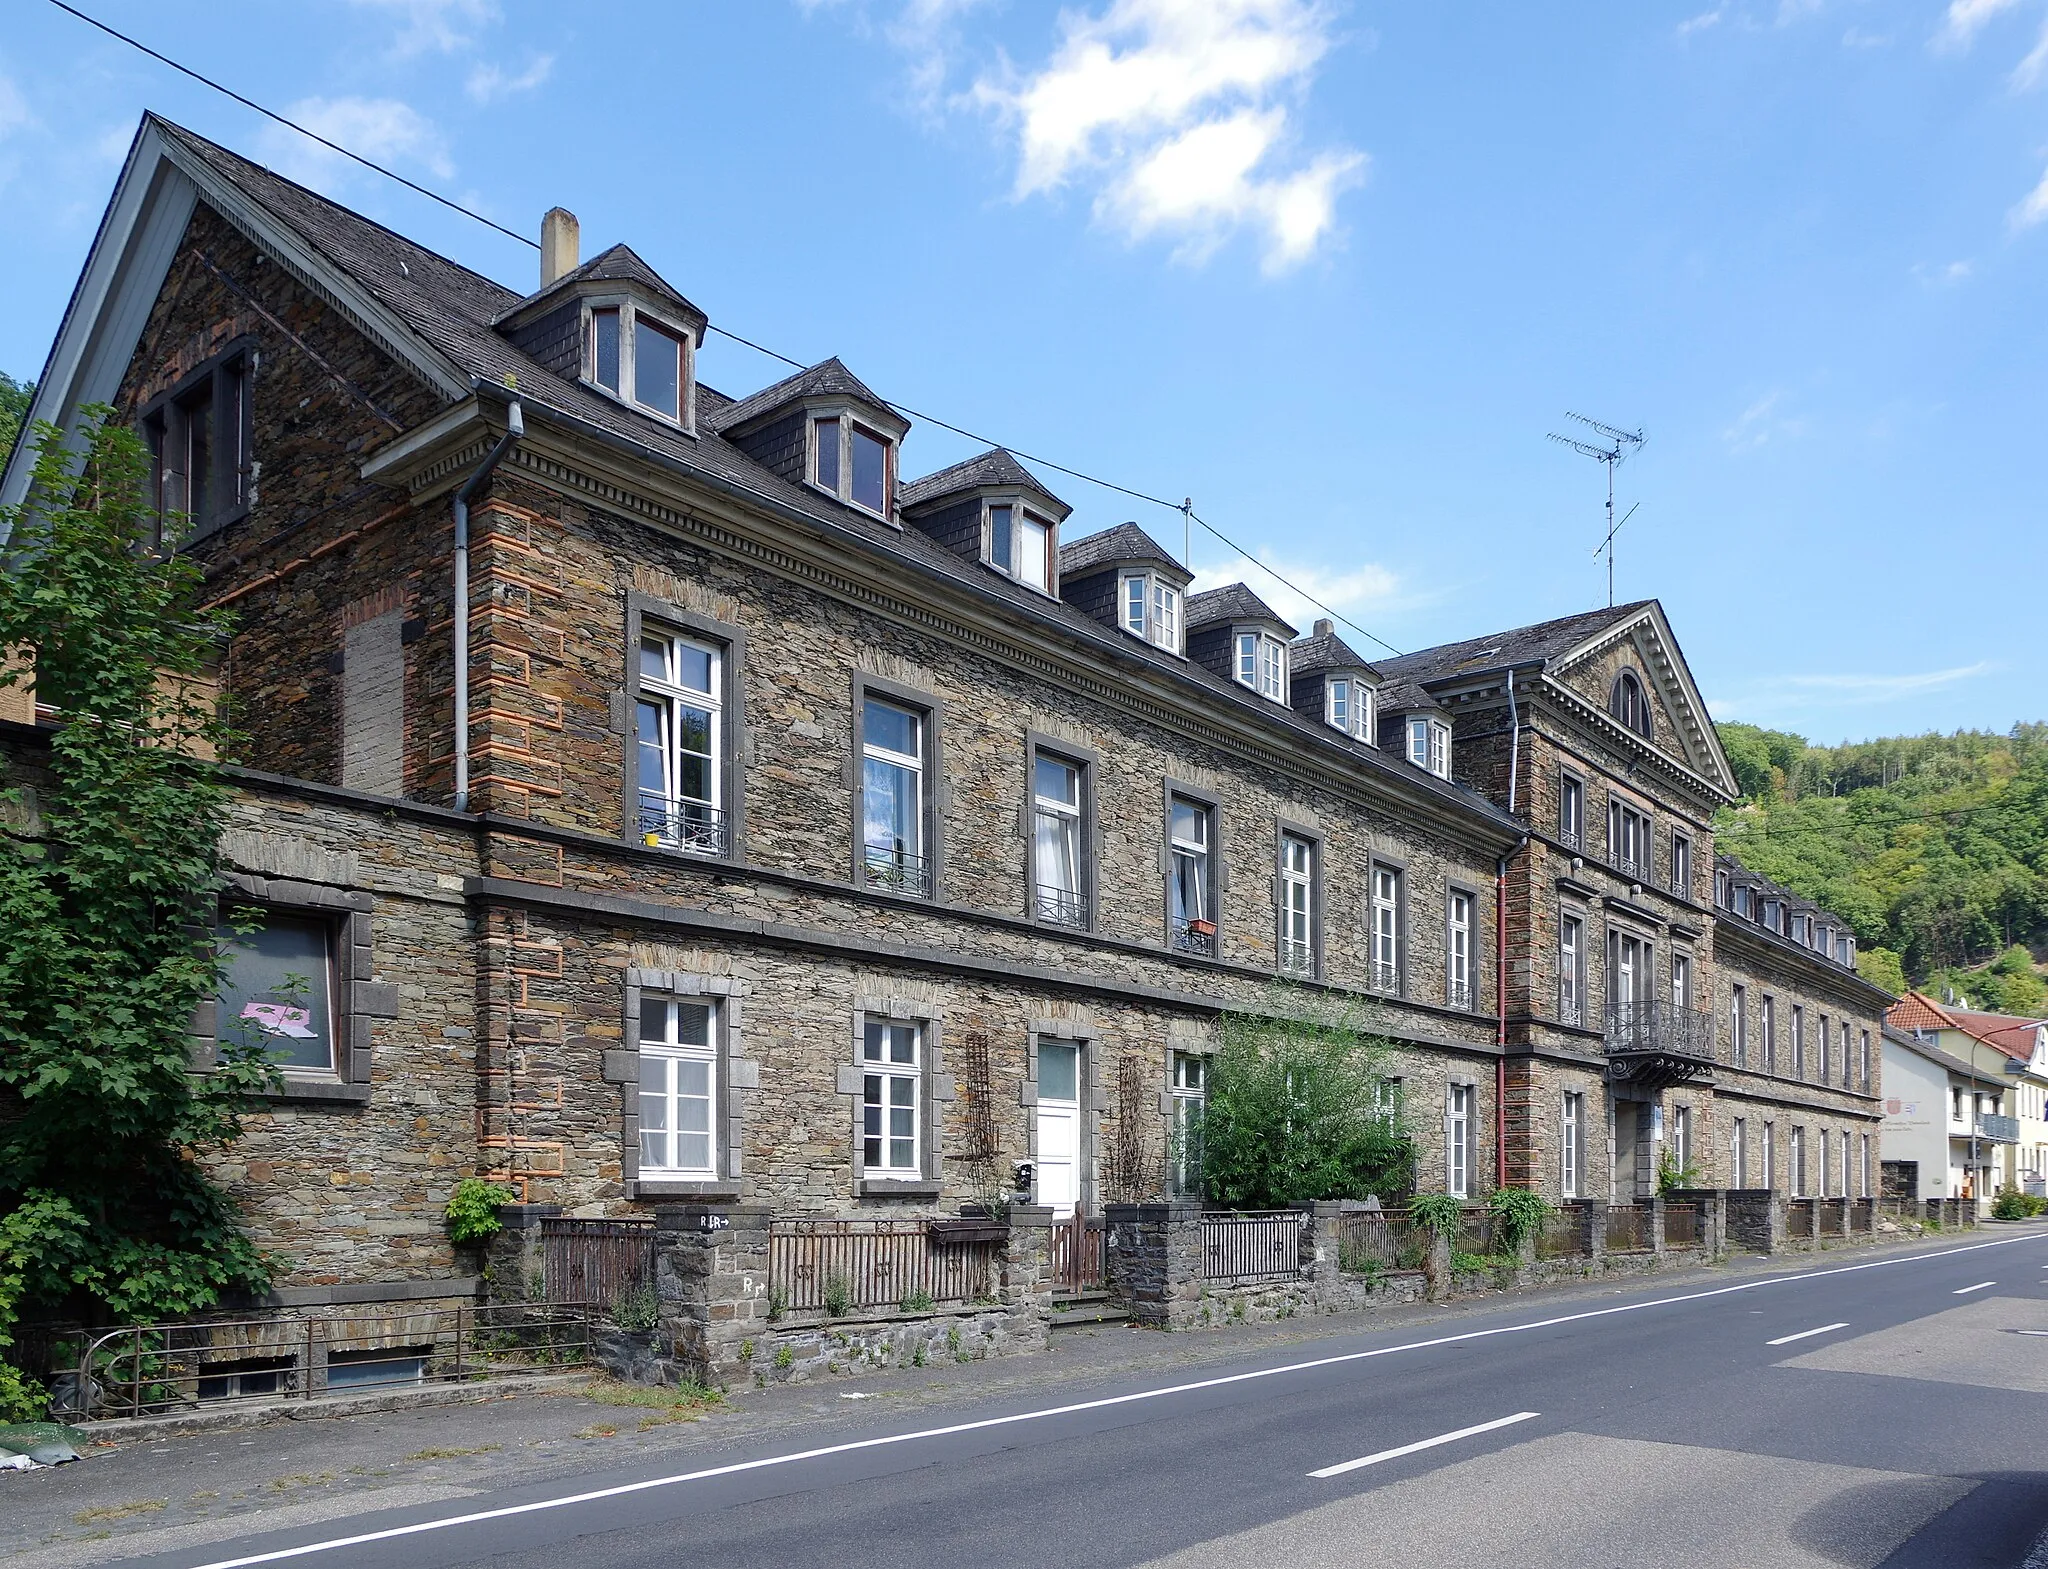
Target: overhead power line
<point x="1185" y="508"/>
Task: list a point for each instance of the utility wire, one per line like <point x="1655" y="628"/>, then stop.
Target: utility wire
<point x="759" y="348"/>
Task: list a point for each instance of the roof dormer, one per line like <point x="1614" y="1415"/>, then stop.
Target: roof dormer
<point x="1240" y="637"/>
<point x="992" y="510"/>
<point x="1333" y="684"/>
<point x="614" y="325"/>
<point x="1416" y="726"/>
<point x="1125" y="578"/>
<point x="824" y="429"/>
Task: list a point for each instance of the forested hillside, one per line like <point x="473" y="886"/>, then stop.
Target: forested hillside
<point x="1934" y="847"/>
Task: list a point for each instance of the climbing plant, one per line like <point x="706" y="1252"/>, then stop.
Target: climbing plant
<point x="109" y="885"/>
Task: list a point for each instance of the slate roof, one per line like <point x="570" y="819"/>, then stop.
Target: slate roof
<point x="1326" y="651"/>
<point x="827" y="378"/>
<point x="993" y="467"/>
<point x="451" y="309"/>
<point x="1231" y="602"/>
<point x="1545" y="641"/>
<point x="1125" y="542"/>
<point x="620" y="264"/>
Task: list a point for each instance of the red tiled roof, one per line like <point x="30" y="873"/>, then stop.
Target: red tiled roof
<point x="1916" y="1011"/>
<point x="2004" y="1032"/>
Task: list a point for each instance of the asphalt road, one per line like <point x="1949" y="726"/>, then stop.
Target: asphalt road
<point x="1879" y="1412"/>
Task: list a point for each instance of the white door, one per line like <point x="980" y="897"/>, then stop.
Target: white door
<point x="1059" y="1126"/>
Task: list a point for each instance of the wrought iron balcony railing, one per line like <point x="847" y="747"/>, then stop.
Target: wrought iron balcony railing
<point x="1297" y="958"/>
<point x="1063" y="907"/>
<point x="1570" y="1012"/>
<point x="899" y="871"/>
<point x="1457" y="994"/>
<point x="1626" y="865"/>
<point x="1386" y="977"/>
<point x="1655" y="1042"/>
<point x="685" y="825"/>
<point x="1196" y="937"/>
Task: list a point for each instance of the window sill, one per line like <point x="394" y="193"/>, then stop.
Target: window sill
<point x="711" y="1190"/>
<point x="311" y="1090"/>
<point x="896" y="1188"/>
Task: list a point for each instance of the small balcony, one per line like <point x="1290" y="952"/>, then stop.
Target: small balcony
<point x="898" y="871"/>
<point x="1195" y="937"/>
<point x="692" y="826"/>
<point x="1997" y="1129"/>
<point x="1062" y="907"/>
<point x="1656" y="1044"/>
<point x="1297" y="958"/>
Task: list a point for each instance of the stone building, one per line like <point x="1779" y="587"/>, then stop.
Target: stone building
<point x="672" y="800"/>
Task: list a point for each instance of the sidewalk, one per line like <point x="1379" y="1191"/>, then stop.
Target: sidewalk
<point x="154" y="1493"/>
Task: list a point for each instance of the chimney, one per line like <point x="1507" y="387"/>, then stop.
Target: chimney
<point x="1324" y="627"/>
<point x="559" y="237"/>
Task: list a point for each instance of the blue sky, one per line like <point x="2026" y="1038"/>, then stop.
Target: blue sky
<point x="1331" y="269"/>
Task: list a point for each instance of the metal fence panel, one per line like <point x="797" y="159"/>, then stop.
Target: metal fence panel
<point x="1563" y="1235"/>
<point x="1370" y="1241"/>
<point x="1681" y="1225"/>
<point x="1251" y="1247"/>
<point x="1628" y="1228"/>
<point x="596" y="1261"/>
<point x="844" y="1265"/>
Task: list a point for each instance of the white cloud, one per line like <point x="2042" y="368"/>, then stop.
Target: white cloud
<point x="1761" y="423"/>
<point x="383" y="129"/>
<point x="489" y="83"/>
<point x="1700" y="23"/>
<point x="1965" y="19"/>
<point x="2033" y="207"/>
<point x="2030" y="71"/>
<point x="1359" y="591"/>
<point x="434" y="26"/>
<point x="1940" y="275"/>
<point x="1179" y="113"/>
<point x="1783" y="694"/>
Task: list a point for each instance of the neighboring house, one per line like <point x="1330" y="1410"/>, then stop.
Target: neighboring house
<point x="1997" y="1122"/>
<point x="1662" y="1003"/>
<point x="769" y="827"/>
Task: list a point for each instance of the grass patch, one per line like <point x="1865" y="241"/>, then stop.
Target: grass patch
<point x="281" y="1484"/>
<point x="676" y="1399"/>
<point x="141" y="1506"/>
<point x="452" y="1454"/>
<point x="598" y="1430"/>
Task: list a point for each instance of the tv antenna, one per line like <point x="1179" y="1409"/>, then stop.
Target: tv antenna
<point x="1621" y="445"/>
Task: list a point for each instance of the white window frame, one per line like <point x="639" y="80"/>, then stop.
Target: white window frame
<point x="1348" y="705"/>
<point x="879" y="1078"/>
<point x="1458" y="908"/>
<point x="1738" y="1025"/>
<point x="1200" y="853"/>
<point x="1571" y="811"/>
<point x="1767" y="1011"/>
<point x="1259" y="661"/>
<point x="1571" y="969"/>
<point x="1159" y="603"/>
<point x="1769" y="1151"/>
<point x="627" y="392"/>
<point x="1681" y="981"/>
<point x="670" y="1051"/>
<point x="1571" y="1144"/>
<point x="1681" y="1136"/>
<point x="1386" y="929"/>
<point x="844" y="421"/>
<point x="1024" y="519"/>
<point x="1458" y="1101"/>
<point x="1681" y="864"/>
<point x="1429" y="745"/>
<point x="1060" y="905"/>
<point x="670" y="695"/>
<point x="918" y="855"/>
<point x="1628" y="838"/>
<point x="1188" y="1086"/>
<point x="1738" y="1154"/>
<point x="1797" y="1163"/>
<point x="1297" y="879"/>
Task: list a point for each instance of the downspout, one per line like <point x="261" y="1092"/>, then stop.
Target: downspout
<point x="1500" y="955"/>
<point x="515" y="427"/>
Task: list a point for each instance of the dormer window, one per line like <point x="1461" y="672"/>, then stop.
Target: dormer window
<point x="853" y="462"/>
<point x="1150" y="608"/>
<point x="1429" y="745"/>
<point x="1262" y="664"/>
<point x="1020" y="544"/>
<point x="1348" y="705"/>
<point x="640" y="361"/>
<point x="1630" y="703"/>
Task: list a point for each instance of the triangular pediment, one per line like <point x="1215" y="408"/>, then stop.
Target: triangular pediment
<point x="1681" y="728"/>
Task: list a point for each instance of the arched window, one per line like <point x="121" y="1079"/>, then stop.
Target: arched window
<point x="1630" y="703"/>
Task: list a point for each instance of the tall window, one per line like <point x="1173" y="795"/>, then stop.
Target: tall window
<point x="1350" y="708"/>
<point x="1863" y="1062"/>
<point x="1458" y="950"/>
<point x="1799" y="1163"/>
<point x="1863" y="1184"/>
<point x="1823" y="1141"/>
<point x="1151" y="610"/>
<point x="1681" y="1136"/>
<point x="1628" y="839"/>
<point x="853" y="462"/>
<point x="1770" y="1031"/>
<point x="1020" y="545"/>
<point x="891" y="1077"/>
<point x="1429" y="745"/>
<point x="1262" y="664"/>
<point x="1297" y="905"/>
<point x="1458" y="1141"/>
<point x="1571" y="970"/>
<point x="1190" y="889"/>
<point x="198" y="439"/>
<point x="1845" y="1163"/>
<point x="1681" y="865"/>
<point x="1826" y="1053"/>
<point x="1571" y="812"/>
<point x="1738" y="1025"/>
<point x="1057" y="862"/>
<point x="892" y="798"/>
<point x="1681" y="982"/>
<point x="1630" y="703"/>
<point x="1848" y="1062"/>
<point x="680" y="742"/>
<point x="1630" y="983"/>
<point x="657" y="369"/>
<point x="678" y="1086"/>
<point x="1386" y="929"/>
<point x="1190" y="1090"/>
<point x="1571" y="1176"/>
<point x="1738" y="1153"/>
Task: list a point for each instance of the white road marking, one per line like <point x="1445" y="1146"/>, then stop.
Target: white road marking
<point x="569" y="1500"/>
<point x="1968" y="1289"/>
<point x="1806" y="1334"/>
<point x="1426" y="1443"/>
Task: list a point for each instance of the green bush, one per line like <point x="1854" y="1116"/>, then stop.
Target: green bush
<point x="1437" y="1213"/>
<point x="2011" y="1204"/>
<point x="1518" y="1214"/>
<point x="637" y="1309"/>
<point x="472" y="1212"/>
<point x="22" y="1399"/>
<point x="838" y="1297"/>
